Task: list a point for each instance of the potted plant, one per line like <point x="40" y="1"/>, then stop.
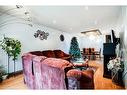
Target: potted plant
<point x="114" y="63"/>
<point x="116" y="67"/>
<point x="12" y="47"/>
<point x="3" y="73"/>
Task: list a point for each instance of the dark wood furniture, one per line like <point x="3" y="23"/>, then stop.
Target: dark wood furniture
<point x="108" y="52"/>
<point x="91" y="54"/>
<point x="98" y="54"/>
<point x="81" y="64"/>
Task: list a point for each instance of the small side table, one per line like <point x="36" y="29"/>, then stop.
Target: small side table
<point x="81" y="65"/>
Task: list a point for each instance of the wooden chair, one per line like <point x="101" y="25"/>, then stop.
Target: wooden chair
<point x="89" y="53"/>
<point x="92" y="50"/>
<point x="98" y="53"/>
<point x="85" y="52"/>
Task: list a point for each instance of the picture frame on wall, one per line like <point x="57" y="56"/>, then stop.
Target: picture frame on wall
<point x="62" y="37"/>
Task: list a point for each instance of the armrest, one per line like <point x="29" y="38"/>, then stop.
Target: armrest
<point x="66" y="55"/>
<point x="66" y="58"/>
<point x="67" y="68"/>
<point x="74" y="73"/>
<point x="86" y="75"/>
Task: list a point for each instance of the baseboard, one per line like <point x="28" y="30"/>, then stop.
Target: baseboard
<point x="15" y="73"/>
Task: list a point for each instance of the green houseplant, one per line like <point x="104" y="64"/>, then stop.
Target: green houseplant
<point x="12" y="47"/>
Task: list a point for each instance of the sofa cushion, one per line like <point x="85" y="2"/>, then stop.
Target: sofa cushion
<point x="54" y="62"/>
<point x="48" y="53"/>
<point x="74" y="73"/>
<point x="28" y="70"/>
<point x="37" y="71"/>
<point x="80" y="79"/>
<point x="52" y="77"/>
<point x="39" y="58"/>
<point x="59" y="53"/>
<point x="38" y="53"/>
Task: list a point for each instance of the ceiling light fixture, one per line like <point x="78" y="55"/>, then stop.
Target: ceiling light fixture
<point x="54" y="21"/>
<point x="95" y="22"/>
<point x="86" y="8"/>
<point x="11" y="21"/>
<point x="19" y="6"/>
<point x="6" y="11"/>
<point x="26" y="13"/>
<point x="91" y="37"/>
<point x="95" y="31"/>
<point x="70" y="28"/>
<point x="29" y="19"/>
<point x="30" y="25"/>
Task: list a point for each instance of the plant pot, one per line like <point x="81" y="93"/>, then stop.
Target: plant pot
<point x="1" y="79"/>
<point x="4" y="77"/>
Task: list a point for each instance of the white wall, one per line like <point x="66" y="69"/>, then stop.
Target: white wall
<point x="25" y="34"/>
<point x="65" y="45"/>
<point x="124" y="43"/>
<point x="88" y="42"/>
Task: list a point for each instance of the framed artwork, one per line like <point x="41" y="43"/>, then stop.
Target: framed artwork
<point x="62" y="37"/>
<point x="41" y="35"/>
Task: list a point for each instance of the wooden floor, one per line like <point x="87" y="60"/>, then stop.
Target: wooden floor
<point x="100" y="82"/>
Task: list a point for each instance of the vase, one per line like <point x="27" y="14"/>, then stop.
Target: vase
<point x="4" y="77"/>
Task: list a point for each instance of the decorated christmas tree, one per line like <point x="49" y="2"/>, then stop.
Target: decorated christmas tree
<point x="74" y="49"/>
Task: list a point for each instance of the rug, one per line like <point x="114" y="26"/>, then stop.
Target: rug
<point x="93" y="68"/>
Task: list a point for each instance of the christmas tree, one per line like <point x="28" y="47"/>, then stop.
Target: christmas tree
<point x="74" y="49"/>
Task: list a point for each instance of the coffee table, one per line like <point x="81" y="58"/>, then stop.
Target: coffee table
<point x="81" y="64"/>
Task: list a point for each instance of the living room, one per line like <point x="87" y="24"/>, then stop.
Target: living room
<point x="57" y="25"/>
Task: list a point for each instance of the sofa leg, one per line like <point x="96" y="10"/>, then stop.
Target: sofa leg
<point x="24" y="81"/>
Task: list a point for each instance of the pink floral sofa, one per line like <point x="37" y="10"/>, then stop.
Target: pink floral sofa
<point x="41" y="72"/>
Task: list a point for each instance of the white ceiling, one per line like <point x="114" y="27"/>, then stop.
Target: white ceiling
<point x="73" y="18"/>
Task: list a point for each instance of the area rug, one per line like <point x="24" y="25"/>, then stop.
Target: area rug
<point x="92" y="68"/>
